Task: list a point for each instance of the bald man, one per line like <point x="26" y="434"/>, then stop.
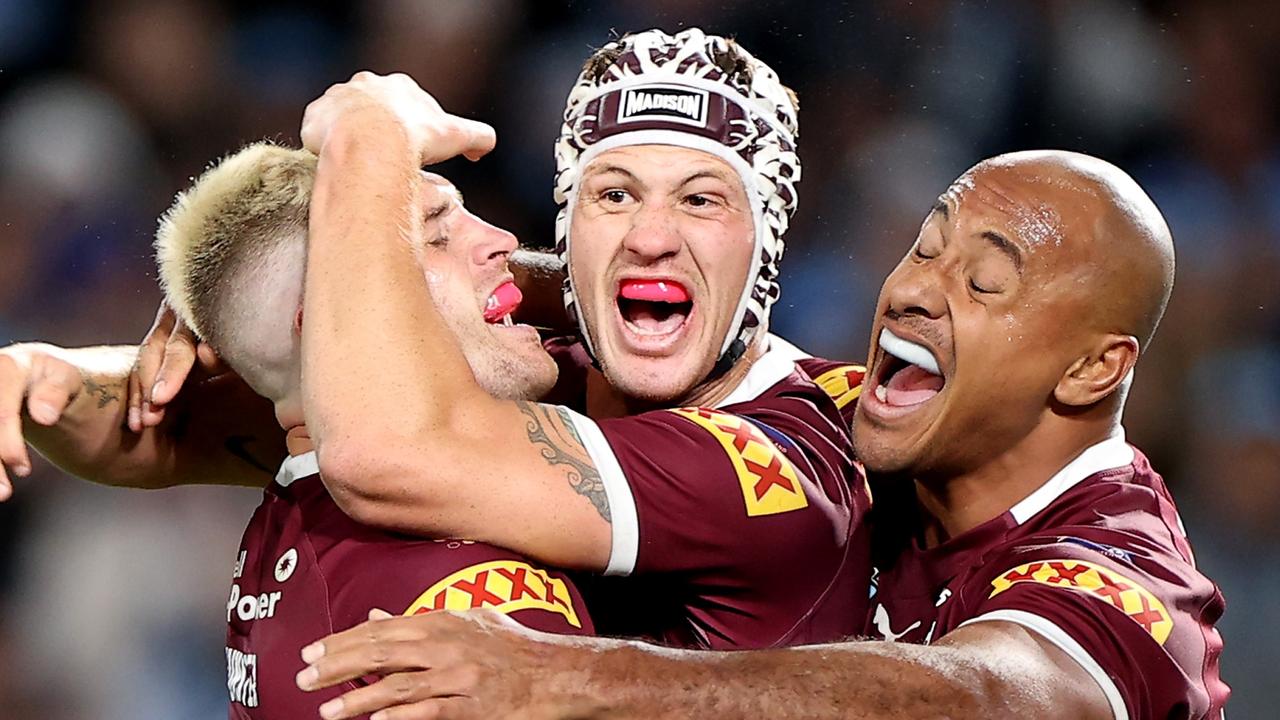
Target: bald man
<point x="1032" y="563"/>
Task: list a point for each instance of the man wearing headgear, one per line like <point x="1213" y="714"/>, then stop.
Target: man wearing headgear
<point x="1032" y="563"/>
<point x="677" y="175"/>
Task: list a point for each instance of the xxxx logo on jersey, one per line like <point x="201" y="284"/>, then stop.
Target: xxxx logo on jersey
<point x="1122" y="593"/>
<point x="503" y="585"/>
<point x="842" y="384"/>
<point x="769" y="481"/>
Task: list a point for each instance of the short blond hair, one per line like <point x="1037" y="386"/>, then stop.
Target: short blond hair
<point x="231" y="254"/>
<point x="239" y="210"/>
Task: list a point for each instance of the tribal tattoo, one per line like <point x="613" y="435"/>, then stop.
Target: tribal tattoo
<point x="551" y="429"/>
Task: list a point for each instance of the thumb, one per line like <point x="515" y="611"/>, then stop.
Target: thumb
<point x="483" y="139"/>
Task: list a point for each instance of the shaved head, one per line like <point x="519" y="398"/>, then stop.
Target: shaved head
<point x="1036" y="281"/>
<point x="1121" y="245"/>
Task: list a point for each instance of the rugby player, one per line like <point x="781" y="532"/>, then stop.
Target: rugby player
<point x="231" y="259"/>
<point x="1038" y="566"/>
<point x="738" y="509"/>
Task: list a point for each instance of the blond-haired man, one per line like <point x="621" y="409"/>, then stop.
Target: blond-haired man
<point x="232" y="254"/>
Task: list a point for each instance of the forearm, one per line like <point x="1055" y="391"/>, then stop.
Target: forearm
<point x="378" y="361"/>
<point x="540" y="276"/>
<point x="89" y="439"/>
<point x="230" y="439"/>
<point x="615" y="679"/>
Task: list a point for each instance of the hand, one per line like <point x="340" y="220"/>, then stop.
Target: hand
<point x="479" y="664"/>
<point x="34" y="379"/>
<point x="165" y="359"/>
<point x="433" y="134"/>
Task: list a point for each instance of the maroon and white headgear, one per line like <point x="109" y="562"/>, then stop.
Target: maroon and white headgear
<point x="685" y="90"/>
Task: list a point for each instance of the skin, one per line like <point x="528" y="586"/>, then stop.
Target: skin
<point x="71" y="405"/>
<point x="1090" y="246"/>
<point x="655" y="211"/>
<point x="443" y="464"/>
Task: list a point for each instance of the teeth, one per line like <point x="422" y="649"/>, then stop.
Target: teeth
<point x="506" y="320"/>
<point x="908" y="351"/>
<point x="882" y="394"/>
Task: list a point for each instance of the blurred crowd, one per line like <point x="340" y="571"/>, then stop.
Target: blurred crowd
<point x="112" y="602"/>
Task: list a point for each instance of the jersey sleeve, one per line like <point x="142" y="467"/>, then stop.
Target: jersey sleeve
<point x="841" y="381"/>
<point x="739" y="497"/>
<point x="1144" y="632"/>
<point x="410" y="577"/>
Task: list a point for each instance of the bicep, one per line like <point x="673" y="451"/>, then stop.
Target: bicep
<point x="513" y="474"/>
<point x="1030" y="672"/>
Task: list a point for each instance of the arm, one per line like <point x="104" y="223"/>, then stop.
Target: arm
<point x="483" y="667"/>
<point x="70" y="405"/>
<point x="406" y="439"/>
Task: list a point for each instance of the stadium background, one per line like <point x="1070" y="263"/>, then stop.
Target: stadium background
<point x="112" y="602"/>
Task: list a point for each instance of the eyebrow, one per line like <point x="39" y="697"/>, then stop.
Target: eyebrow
<point x="1004" y="245"/>
<point x="713" y="174"/>
<point x="603" y="169"/>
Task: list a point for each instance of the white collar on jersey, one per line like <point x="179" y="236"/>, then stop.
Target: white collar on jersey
<point x="1111" y="453"/>
<point x="297" y="466"/>
<point x="775" y="364"/>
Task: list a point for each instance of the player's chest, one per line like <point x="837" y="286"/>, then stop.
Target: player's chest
<point x="275" y="607"/>
<point x="905" y="609"/>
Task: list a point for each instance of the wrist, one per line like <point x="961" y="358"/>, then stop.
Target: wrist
<point x="368" y="133"/>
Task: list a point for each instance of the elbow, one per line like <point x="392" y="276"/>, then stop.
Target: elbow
<point x="375" y="486"/>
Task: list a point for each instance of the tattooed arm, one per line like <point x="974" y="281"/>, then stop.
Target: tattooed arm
<point x="406" y="438"/>
<point x="70" y="406"/>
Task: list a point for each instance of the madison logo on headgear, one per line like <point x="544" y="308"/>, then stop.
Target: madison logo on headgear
<point x="672" y="103"/>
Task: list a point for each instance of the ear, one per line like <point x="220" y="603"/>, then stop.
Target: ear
<point x="1093" y="377"/>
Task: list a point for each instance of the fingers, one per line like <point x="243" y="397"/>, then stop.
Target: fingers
<point x="209" y="360"/>
<point x="133" y="416"/>
<point x="53" y="387"/>
<point x="374" y="657"/>
<point x="14" y="379"/>
<point x="152" y="351"/>
<point x="407" y="696"/>
<point x="479" y="138"/>
<point x="175" y="365"/>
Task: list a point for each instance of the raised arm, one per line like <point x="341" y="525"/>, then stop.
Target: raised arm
<point x="478" y="666"/>
<point x="70" y="405"/>
<point x="406" y="438"/>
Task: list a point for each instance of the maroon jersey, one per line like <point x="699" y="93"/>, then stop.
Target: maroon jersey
<point x="306" y="570"/>
<point x="1096" y="562"/>
<point x="740" y="525"/>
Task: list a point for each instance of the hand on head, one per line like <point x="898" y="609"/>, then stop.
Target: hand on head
<point x="434" y="134"/>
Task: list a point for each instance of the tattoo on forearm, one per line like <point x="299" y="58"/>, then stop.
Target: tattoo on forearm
<point x="551" y="429"/>
<point x="103" y="394"/>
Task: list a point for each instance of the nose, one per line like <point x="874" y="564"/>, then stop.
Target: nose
<point x="492" y="245"/>
<point x="916" y="290"/>
<point x="653" y="235"/>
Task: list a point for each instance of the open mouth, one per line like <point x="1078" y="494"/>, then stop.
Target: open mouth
<point x="653" y="308"/>
<point x="908" y="375"/>
<point x="504" y="301"/>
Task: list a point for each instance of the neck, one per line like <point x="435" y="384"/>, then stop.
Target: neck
<point x="603" y="400"/>
<point x="954" y="504"/>
<point x="710" y="394"/>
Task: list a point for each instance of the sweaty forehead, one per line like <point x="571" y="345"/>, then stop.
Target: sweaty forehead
<point x="1037" y="210"/>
